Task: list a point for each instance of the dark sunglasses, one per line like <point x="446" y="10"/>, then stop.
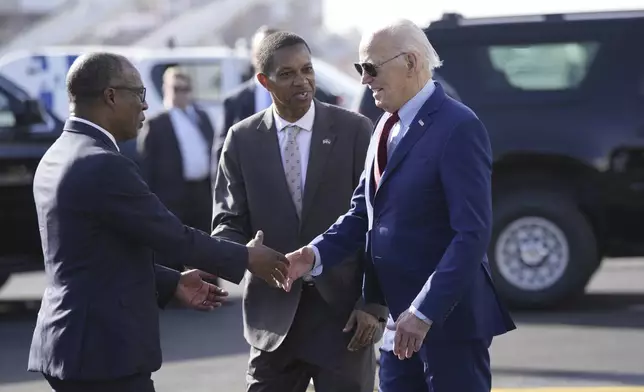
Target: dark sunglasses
<point x="138" y="91"/>
<point x="372" y="69"/>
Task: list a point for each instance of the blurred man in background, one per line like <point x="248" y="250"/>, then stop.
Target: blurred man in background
<point x="174" y="153"/>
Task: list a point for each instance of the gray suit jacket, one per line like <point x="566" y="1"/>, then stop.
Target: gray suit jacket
<point x="251" y="194"/>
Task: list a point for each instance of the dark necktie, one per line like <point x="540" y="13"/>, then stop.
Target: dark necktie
<point x="381" y="154"/>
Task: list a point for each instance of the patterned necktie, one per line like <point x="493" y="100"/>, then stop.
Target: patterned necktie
<point x="293" y="167"/>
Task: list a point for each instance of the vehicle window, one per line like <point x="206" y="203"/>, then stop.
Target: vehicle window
<point x="7" y="118"/>
<point x="549" y="66"/>
<point x="206" y="79"/>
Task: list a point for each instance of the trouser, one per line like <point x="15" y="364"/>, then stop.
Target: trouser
<point x="286" y="370"/>
<point x="462" y="366"/>
<point x="134" y="383"/>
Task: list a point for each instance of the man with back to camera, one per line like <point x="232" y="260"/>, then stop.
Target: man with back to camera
<point x="289" y="171"/>
<point x="98" y="327"/>
<point x="424" y="203"/>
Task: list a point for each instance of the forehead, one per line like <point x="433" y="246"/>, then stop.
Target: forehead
<point x="291" y="56"/>
<point x="375" y="48"/>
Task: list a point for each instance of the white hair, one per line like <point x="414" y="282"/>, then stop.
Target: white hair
<point x="408" y="37"/>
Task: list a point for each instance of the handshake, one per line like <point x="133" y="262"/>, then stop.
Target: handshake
<point x="275" y="268"/>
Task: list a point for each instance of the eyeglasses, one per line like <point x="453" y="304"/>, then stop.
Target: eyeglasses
<point x="139" y="91"/>
<point x="372" y="69"/>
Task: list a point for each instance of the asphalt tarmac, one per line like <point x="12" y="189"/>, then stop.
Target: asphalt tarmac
<point x="593" y="345"/>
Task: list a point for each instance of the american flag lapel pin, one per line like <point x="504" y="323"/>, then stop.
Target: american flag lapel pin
<point x="421" y="122"/>
<point x="326" y="141"/>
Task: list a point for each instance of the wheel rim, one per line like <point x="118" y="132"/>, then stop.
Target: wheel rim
<point x="532" y="253"/>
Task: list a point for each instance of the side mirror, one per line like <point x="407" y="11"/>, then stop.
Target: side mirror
<point x="32" y="113"/>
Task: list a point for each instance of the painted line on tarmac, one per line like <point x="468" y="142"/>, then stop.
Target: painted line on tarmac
<point x="572" y="389"/>
<point x="555" y="389"/>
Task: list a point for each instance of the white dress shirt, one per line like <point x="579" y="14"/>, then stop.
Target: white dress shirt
<point x="91" y="124"/>
<point x="303" y="140"/>
<point x="406" y="113"/>
<point x="192" y="144"/>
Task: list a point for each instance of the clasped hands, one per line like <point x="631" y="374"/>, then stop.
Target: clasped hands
<point x="276" y="269"/>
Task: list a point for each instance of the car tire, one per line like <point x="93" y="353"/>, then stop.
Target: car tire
<point x="543" y="250"/>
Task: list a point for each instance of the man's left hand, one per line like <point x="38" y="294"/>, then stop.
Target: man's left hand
<point x="410" y="334"/>
<point x="193" y="291"/>
<point x="368" y="329"/>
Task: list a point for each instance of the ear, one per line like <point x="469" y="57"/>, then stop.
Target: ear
<point x="263" y="80"/>
<point x="410" y="58"/>
<point x="109" y="96"/>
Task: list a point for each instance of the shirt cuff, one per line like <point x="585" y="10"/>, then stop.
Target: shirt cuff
<point x="317" y="265"/>
<point x="418" y="314"/>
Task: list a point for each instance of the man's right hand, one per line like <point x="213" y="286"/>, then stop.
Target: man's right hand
<point x="300" y="263"/>
<point x="267" y="264"/>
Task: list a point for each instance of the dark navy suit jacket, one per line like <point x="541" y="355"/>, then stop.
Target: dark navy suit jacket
<point x="99" y="225"/>
<point x="428" y="224"/>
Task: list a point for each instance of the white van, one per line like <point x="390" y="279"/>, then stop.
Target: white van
<point x="216" y="71"/>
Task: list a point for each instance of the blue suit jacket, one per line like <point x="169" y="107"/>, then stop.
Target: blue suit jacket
<point x="428" y="224"/>
<point x="99" y="225"/>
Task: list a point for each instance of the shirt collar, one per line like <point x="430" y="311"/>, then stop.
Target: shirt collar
<point x="408" y="111"/>
<point x="91" y="124"/>
<point x="305" y="122"/>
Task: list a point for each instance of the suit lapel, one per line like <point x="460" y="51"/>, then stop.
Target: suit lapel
<point x="322" y="141"/>
<point x="371" y="156"/>
<point x="171" y="143"/>
<point x="270" y="156"/>
<point x="203" y="125"/>
<point x="417" y="128"/>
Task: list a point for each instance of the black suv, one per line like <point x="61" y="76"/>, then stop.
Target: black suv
<point x="562" y="97"/>
<point x="26" y="131"/>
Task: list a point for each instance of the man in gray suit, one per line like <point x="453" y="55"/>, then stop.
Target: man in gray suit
<point x="289" y="171"/>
